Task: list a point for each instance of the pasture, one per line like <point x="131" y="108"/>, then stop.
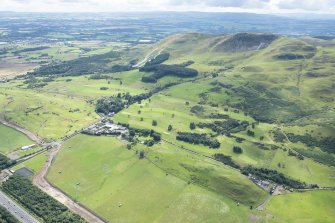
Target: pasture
<point x="317" y="206"/>
<point x="11" y="139"/>
<point x="35" y="164"/>
<point x="112" y="181"/>
<point x="50" y="116"/>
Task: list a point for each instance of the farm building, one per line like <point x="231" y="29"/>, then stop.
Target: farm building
<point x="24" y="148"/>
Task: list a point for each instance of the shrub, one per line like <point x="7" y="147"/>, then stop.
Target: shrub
<point x="170" y="128"/>
<point x="192" y="126"/>
<point x="141" y="155"/>
<point x="237" y="149"/>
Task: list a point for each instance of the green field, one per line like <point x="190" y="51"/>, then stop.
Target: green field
<point x="35" y="164"/>
<point x="304" y="207"/>
<point x="117" y="176"/>
<point x="11" y="139"/>
<point x="49" y="116"/>
<point x="283" y="92"/>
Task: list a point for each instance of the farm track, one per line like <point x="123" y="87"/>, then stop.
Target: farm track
<point x="40" y="181"/>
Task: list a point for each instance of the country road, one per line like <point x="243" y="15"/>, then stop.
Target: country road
<point x="18" y="212"/>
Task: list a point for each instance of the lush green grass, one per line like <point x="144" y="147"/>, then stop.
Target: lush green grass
<point x="169" y="107"/>
<point x="90" y="89"/>
<point x="305" y="170"/>
<point x="163" y="187"/>
<point x="11" y="139"/>
<point x="102" y="174"/>
<point x="50" y="116"/>
<point x="35" y="164"/>
<point x="307" y="207"/>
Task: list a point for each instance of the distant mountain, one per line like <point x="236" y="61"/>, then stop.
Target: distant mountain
<point x="139" y="27"/>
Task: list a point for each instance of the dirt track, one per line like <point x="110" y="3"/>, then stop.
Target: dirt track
<point x="31" y="135"/>
<point x="40" y="181"/>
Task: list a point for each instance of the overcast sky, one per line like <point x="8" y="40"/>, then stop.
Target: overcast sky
<point x="258" y="6"/>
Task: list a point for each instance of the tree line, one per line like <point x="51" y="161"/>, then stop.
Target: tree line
<point x="225" y="127"/>
<point x="80" y="66"/>
<point x="160" y="70"/>
<point x="196" y="138"/>
<point x="5" y="162"/>
<point x="41" y="204"/>
<point x="6" y="216"/>
<point x="274" y="176"/>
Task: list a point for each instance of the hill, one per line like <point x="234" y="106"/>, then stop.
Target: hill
<point x="223" y="119"/>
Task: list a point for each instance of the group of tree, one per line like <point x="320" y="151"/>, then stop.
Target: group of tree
<point x="192" y="126"/>
<point x="133" y="132"/>
<point x="227" y="160"/>
<point x="99" y="77"/>
<point x="114" y="104"/>
<point x="196" y="138"/>
<point x="33" y="82"/>
<point x="326" y="144"/>
<point x="6" y="216"/>
<point x="169" y="128"/>
<point x="30" y="49"/>
<point x="38" y="202"/>
<point x="297" y="155"/>
<point x="5" y="162"/>
<point x="218" y="116"/>
<point x="225" y="127"/>
<point x="81" y="66"/>
<point x="274" y="176"/>
<point x="237" y="149"/>
<point x="158" y="59"/>
<point x="160" y="70"/>
<point x="250" y="133"/>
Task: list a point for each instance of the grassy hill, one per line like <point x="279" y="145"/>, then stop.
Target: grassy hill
<point x="271" y="96"/>
<point x="113" y="181"/>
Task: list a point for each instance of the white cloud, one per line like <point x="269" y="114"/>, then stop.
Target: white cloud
<point x="260" y="6"/>
<point x="310" y="5"/>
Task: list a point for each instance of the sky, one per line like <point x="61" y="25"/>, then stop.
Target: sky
<point x="256" y="6"/>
